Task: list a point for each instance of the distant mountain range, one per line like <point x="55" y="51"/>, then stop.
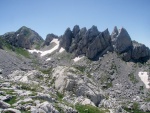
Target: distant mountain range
<point x="91" y="43"/>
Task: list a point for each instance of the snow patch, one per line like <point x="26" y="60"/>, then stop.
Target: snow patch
<point x="35" y="51"/>
<point x="77" y="58"/>
<point x="48" y="59"/>
<point x="17" y="34"/>
<point x="55" y="41"/>
<point x="144" y="77"/>
<point x="43" y="53"/>
<point x="49" y="51"/>
<point x="61" y="50"/>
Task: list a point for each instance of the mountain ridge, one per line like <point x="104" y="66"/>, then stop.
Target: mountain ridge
<point x="62" y="75"/>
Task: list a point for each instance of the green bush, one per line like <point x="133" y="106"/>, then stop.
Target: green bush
<point x="88" y="109"/>
<point x="59" y="95"/>
<point x="12" y="100"/>
<point x="22" y="52"/>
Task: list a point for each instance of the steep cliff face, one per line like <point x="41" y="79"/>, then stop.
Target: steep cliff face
<point x="128" y="49"/>
<point x="24" y="37"/>
<point x="92" y="43"/>
<point x="88" y="42"/>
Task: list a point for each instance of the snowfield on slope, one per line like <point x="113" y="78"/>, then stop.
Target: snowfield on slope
<point x="43" y="53"/>
<point x="144" y="77"/>
<point x="77" y="58"/>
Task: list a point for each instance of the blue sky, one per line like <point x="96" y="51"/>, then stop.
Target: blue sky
<point x="54" y="16"/>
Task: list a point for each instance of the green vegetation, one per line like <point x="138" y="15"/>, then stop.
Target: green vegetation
<point x="25" y="111"/>
<point x="133" y="78"/>
<point x="18" y="50"/>
<point x="47" y="71"/>
<point x="38" y="45"/>
<point x="80" y="68"/>
<point x="22" y="103"/>
<point x="31" y="87"/>
<point x="89" y="109"/>
<point x="135" y="109"/>
<point x="22" y="52"/>
<point x="8" y="91"/>
<point x="12" y="100"/>
<point x="59" y="96"/>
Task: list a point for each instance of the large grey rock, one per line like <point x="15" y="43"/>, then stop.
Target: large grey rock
<point x="49" y="38"/>
<point x="140" y="51"/>
<point x="66" y="39"/>
<point x="11" y="110"/>
<point x="4" y="105"/>
<point x="122" y="42"/>
<point x="44" y="107"/>
<point x="24" y="37"/>
<point x="71" y="82"/>
<point x="145" y="107"/>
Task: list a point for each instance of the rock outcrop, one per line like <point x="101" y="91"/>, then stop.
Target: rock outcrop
<point x="24" y="37"/>
<point x="49" y="38"/>
<point x="88" y="42"/>
<point x="66" y="39"/>
<point x="140" y="51"/>
<point x="121" y="40"/>
<point x="128" y="49"/>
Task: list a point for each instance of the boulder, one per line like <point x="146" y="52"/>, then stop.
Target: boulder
<point x="4" y="105"/>
<point x="70" y="82"/>
<point x="11" y="110"/>
<point x="145" y="107"/>
<point x="44" y="107"/>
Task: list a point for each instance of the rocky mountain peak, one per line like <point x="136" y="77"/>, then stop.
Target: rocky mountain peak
<point x="122" y="41"/>
<point x="66" y="39"/>
<point x="24" y="37"/>
<point x="76" y="30"/>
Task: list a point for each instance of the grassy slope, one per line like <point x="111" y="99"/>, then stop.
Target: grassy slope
<point x="20" y="51"/>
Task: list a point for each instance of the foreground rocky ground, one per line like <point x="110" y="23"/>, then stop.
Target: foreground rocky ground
<point x="100" y="85"/>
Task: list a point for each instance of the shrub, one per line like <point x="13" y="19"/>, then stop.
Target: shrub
<point x="88" y="109"/>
